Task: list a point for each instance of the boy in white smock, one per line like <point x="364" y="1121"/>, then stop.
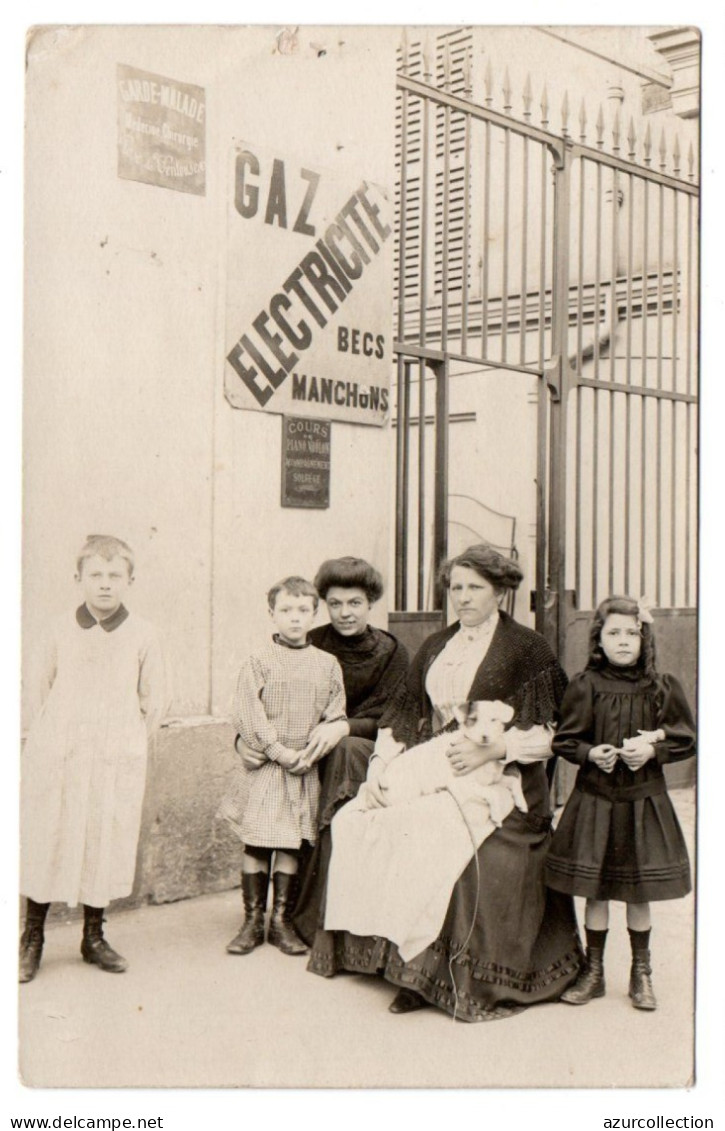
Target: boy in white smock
<point x="98" y="691"/>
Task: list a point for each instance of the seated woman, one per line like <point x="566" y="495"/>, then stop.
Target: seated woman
<point x="373" y="663"/>
<point x="505" y="941"/>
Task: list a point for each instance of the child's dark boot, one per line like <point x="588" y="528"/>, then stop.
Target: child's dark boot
<point x="640" y="975"/>
<point x="281" y="932"/>
<point x="254" y="896"/>
<point x="31" y="940"/>
<point x="94" y="947"/>
<point x="590" y="983"/>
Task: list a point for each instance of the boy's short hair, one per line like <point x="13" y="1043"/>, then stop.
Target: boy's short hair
<point x="105" y="546"/>
<point x="297" y="586"/>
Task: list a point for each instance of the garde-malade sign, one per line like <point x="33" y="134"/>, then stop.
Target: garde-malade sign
<point x="305" y="462"/>
<point x="309" y="289"/>
<point x="161" y="131"/>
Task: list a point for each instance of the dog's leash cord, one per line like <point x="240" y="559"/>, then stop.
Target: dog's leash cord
<point x="454" y="957"/>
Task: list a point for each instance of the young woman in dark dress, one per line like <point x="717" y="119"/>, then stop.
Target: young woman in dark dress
<point x="505" y="942"/>
<point x="618" y="837"/>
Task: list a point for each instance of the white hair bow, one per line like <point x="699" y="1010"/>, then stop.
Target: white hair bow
<point x="644" y="606"/>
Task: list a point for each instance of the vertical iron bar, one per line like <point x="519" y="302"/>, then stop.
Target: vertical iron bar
<point x="597" y="272"/>
<point x="688" y="495"/>
<point x="545" y="157"/>
<point x="486" y="234"/>
<point x="579" y="391"/>
<point x="645" y="281"/>
<point x="675" y="383"/>
<point x="446" y="222"/>
<point x="466" y="226"/>
<point x="691" y="314"/>
<point x="673" y="503"/>
<point x="424" y="225"/>
<point x="505" y="263"/>
<point x="643" y="499"/>
<point x="580" y="271"/>
<point x="558" y="443"/>
<point x="440" y="519"/>
<point x="400" y="524"/>
<point x="403" y="214"/>
<point x="405" y="425"/>
<point x="660" y="343"/>
<point x="612" y="367"/>
<point x="595" y="491"/>
<point x="524" y="252"/>
<point x="542" y="416"/>
<point x="628" y="381"/>
<point x="421" y="484"/>
<point x="644" y="381"/>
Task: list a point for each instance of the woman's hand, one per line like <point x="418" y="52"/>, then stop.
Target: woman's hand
<point x="375" y="789"/>
<point x="465" y="755"/>
<point x="604" y="756"/>
<point x="635" y="752"/>
<point x="323" y="738"/>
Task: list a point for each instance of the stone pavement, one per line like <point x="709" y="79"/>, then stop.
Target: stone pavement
<point x="186" y="1014"/>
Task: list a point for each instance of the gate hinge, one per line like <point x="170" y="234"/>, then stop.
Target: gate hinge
<point x="552" y="376"/>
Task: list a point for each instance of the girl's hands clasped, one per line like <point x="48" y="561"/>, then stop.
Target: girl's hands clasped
<point x="604" y="756"/>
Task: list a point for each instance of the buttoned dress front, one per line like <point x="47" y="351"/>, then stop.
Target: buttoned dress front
<point x="98" y="692"/>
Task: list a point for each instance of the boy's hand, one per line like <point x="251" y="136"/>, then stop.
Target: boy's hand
<point x="323" y="738"/>
<point x="251" y="759"/>
<point x="288" y="759"/>
<point x="604" y="756"/>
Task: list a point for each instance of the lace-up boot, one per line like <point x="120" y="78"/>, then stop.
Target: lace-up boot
<point x="94" y="947"/>
<point x="281" y="932"/>
<point x="254" y="897"/>
<point x="32" y="939"/>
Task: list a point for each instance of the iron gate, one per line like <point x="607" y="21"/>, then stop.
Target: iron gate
<point x="521" y="251"/>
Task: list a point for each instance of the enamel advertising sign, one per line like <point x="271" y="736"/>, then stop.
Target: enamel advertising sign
<point x="161" y="131"/>
<point x="309" y="290"/>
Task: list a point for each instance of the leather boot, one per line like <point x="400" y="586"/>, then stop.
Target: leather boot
<point x="640" y="982"/>
<point x="94" y="947"/>
<point x="407" y="1001"/>
<point x="590" y="983"/>
<point x="254" y="897"/>
<point x="281" y="932"/>
<point x="31" y="940"/>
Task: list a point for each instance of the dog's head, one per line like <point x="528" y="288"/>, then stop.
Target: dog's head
<point x="483" y="721"/>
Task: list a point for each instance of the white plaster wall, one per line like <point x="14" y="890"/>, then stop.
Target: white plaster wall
<point x="126" y="429"/>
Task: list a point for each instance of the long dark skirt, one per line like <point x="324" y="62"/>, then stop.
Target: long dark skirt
<point x="506" y="942"/>
<point x="342" y="773"/>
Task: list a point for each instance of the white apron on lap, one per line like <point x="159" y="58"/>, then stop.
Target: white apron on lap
<point x="393" y="869"/>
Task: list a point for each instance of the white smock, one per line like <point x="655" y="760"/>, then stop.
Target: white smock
<point x="96" y="695"/>
<point x="393" y="869"/>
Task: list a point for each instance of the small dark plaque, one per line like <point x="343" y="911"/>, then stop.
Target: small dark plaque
<point x="305" y="462"/>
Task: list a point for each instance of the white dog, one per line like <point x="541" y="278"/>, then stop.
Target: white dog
<point x="426" y="769"/>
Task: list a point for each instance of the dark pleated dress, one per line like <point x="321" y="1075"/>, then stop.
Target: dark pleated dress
<point x="506" y="942"/>
<point x="619" y="837"/>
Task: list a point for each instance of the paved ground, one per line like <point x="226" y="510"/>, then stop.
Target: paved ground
<point x="187" y="1015"/>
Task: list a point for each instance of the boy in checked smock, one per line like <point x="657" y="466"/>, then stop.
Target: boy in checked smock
<point x="98" y="692"/>
<point x="283" y="692"/>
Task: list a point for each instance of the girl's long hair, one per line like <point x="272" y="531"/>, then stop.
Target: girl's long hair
<point x="627" y="607"/>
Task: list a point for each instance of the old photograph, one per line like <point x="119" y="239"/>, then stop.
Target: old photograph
<point x="360" y="552"/>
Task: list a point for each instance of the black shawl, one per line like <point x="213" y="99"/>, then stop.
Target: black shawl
<point x="519" y="668"/>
